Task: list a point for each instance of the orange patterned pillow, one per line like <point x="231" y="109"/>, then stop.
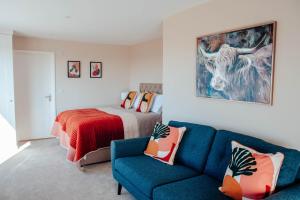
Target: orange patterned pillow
<point x="164" y="143"/>
<point x="129" y="100"/>
<point x="250" y="174"/>
<point x="146" y="102"/>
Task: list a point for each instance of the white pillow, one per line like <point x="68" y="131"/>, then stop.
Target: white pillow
<point x="123" y="95"/>
<point x="137" y="101"/>
<point x="157" y="104"/>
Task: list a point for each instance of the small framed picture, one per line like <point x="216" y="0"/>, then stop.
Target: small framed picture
<point x="73" y="69"/>
<point x="96" y="69"/>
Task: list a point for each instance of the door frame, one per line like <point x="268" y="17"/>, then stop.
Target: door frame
<point x="53" y="78"/>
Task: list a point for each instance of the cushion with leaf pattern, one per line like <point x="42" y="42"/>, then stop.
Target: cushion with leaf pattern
<point x="164" y="143"/>
<point x="250" y="174"/>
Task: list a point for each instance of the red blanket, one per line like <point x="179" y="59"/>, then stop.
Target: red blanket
<point x="90" y="129"/>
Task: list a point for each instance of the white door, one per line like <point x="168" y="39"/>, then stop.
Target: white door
<point x="34" y="94"/>
<point x="7" y="106"/>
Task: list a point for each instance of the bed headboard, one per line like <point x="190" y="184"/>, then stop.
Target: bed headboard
<point x="151" y="87"/>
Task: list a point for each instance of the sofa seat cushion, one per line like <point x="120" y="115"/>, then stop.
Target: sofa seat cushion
<point x="197" y="188"/>
<point x="146" y="173"/>
<point x="220" y="155"/>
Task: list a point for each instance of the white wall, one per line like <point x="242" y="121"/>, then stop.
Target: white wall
<point x="146" y="61"/>
<point x="84" y="92"/>
<point x="7" y="107"/>
<point x="278" y="123"/>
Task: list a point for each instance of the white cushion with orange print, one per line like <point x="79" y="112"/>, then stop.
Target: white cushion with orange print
<point x="164" y="143"/>
<point x="129" y="100"/>
<point x="146" y="101"/>
<point x="251" y="174"/>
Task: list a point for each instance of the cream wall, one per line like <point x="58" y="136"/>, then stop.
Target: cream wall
<point x="124" y="67"/>
<point x="278" y="123"/>
<point x="84" y="92"/>
<point x="146" y="60"/>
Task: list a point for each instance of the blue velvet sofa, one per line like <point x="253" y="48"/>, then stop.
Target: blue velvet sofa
<point x="200" y="165"/>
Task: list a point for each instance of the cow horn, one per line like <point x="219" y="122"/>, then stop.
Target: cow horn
<point x="205" y="54"/>
<point x="242" y="51"/>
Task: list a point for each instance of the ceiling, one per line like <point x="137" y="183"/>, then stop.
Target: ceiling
<point x="99" y="21"/>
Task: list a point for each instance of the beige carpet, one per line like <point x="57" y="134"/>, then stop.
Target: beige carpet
<point x="41" y="172"/>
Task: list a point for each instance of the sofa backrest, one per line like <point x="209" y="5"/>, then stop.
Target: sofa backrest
<point x="220" y="155"/>
<point x="298" y="177"/>
<point x="195" y="145"/>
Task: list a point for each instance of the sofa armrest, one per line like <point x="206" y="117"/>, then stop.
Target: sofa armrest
<point x="290" y="193"/>
<point x="129" y="147"/>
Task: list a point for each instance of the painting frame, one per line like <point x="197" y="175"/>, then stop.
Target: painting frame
<point x="273" y="25"/>
<point x="74" y="65"/>
<point x="93" y="72"/>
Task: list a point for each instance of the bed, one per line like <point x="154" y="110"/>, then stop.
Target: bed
<point x="87" y="133"/>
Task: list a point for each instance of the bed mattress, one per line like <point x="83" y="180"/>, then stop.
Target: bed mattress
<point x="133" y="124"/>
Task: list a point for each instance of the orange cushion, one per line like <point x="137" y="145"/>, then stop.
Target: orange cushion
<point x="250" y="174"/>
<point x="146" y="102"/>
<point x="129" y="100"/>
<point x="164" y="143"/>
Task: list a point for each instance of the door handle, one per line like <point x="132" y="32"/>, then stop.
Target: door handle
<point x="49" y="97"/>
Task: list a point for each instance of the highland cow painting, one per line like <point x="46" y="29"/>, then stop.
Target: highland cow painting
<point x="237" y="65"/>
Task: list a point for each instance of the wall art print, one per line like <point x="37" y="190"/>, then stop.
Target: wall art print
<point x="96" y="69"/>
<point x="73" y="69"/>
<point x="237" y="65"/>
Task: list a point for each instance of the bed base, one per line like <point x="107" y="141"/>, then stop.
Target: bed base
<point x="94" y="157"/>
<point x="98" y="156"/>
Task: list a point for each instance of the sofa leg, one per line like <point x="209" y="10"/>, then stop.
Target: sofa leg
<point x="119" y="189"/>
